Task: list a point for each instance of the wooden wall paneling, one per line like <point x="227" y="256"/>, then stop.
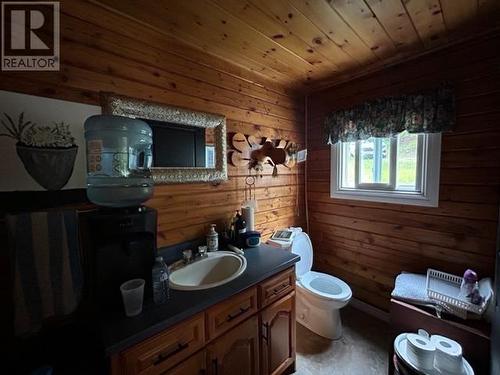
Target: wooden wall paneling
<point x="110" y="19"/>
<point x="451" y="225"/>
<point x="205" y="25"/>
<point x="367" y="242"/>
<point x="86" y="80"/>
<point x="102" y="50"/>
<point x="399" y="230"/>
<point x="122" y="67"/>
<point x="408" y="253"/>
<point x="184" y="202"/>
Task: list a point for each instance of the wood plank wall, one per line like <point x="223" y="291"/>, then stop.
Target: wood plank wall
<point x="103" y="51"/>
<point x="368" y="244"/>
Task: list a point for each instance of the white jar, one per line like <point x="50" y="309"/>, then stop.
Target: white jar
<point x="212" y="239"/>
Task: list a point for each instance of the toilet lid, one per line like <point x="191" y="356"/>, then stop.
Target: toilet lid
<point x="302" y="246"/>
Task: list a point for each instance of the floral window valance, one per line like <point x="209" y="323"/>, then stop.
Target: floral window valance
<point x="432" y="111"/>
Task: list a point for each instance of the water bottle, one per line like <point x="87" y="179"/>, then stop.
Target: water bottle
<point x="119" y="158"/>
<point x="161" y="291"/>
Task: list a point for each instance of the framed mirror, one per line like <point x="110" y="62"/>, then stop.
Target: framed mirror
<point x="188" y="146"/>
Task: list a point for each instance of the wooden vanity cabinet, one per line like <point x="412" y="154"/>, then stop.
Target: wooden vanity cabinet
<point x="275" y="287"/>
<point x="194" y="365"/>
<point x="228" y="314"/>
<point x="250" y="333"/>
<point x="278" y="336"/>
<point x="162" y="351"/>
<point x="237" y="351"/>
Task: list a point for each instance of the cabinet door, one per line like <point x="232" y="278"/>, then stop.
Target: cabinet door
<point x="278" y="335"/>
<point x="237" y="351"/>
<point x="195" y="365"/>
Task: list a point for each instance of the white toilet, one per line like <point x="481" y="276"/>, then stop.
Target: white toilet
<point x="319" y="296"/>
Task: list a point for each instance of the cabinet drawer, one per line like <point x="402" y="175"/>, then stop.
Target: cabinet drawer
<point x="165" y="350"/>
<point x="276" y="287"/>
<point x="229" y="313"/>
<point x="194" y="365"/>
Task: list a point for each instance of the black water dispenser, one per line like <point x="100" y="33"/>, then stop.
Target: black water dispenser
<point x="120" y="245"/>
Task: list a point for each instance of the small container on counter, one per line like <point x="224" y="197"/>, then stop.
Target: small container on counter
<point x="251" y="238"/>
<point x="212" y="239"/>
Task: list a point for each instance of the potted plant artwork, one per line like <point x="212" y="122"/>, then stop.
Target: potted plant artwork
<point x="48" y="152"/>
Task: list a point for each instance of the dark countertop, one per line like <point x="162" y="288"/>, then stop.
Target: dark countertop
<point x="119" y="332"/>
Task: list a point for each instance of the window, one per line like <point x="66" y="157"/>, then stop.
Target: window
<point x="402" y="169"/>
<point x="209" y="156"/>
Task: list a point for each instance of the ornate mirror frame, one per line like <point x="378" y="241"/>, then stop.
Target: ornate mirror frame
<point x="135" y="108"/>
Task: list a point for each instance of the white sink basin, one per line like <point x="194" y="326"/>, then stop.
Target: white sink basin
<point x="216" y="269"/>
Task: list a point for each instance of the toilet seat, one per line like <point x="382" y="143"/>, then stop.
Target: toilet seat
<point x="322" y="285"/>
<point x="325" y="286"/>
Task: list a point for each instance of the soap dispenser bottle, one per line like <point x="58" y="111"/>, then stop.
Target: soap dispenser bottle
<point x="212" y="239"/>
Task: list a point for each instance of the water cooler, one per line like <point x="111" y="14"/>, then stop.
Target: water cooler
<point x="120" y="244"/>
<point x="119" y="238"/>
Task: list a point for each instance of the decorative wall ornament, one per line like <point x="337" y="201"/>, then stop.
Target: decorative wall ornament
<point x="42" y="142"/>
<point x="124" y="106"/>
<point x="255" y="152"/>
<point x="431" y="111"/>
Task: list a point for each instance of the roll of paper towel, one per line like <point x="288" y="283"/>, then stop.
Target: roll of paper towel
<point x="249" y="216"/>
<point x="448" y="356"/>
<point x="420" y="351"/>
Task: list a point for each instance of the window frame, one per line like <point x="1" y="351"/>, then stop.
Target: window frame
<point x="392" y="169"/>
<point x="427" y="179"/>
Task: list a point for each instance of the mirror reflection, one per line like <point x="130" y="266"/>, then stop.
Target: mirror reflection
<point x="182" y="146"/>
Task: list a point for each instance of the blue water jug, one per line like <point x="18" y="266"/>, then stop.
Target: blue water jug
<point x="119" y="158"/>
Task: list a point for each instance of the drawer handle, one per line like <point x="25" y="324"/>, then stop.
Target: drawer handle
<point x="242" y="311"/>
<point x="169" y="353"/>
<point x="279" y="289"/>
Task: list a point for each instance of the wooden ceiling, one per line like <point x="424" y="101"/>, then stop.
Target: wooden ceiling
<point x="310" y="43"/>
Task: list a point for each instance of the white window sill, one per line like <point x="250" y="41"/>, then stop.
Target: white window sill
<point x="396" y="197"/>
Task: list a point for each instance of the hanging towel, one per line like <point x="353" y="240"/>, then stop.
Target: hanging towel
<point x="46" y="268"/>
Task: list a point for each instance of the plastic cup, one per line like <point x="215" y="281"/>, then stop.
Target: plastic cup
<point x="132" y="295"/>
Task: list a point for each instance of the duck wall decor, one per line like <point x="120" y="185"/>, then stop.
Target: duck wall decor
<point x="255" y="152"/>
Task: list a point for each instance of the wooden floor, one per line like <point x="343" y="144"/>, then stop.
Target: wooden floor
<point x="362" y="349"/>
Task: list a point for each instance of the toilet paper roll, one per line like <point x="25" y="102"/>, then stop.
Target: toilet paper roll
<point x="249" y="216"/>
<point x="448" y="357"/>
<point x="420" y="351"/>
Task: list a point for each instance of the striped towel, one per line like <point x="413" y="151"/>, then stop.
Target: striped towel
<point x="45" y="261"/>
